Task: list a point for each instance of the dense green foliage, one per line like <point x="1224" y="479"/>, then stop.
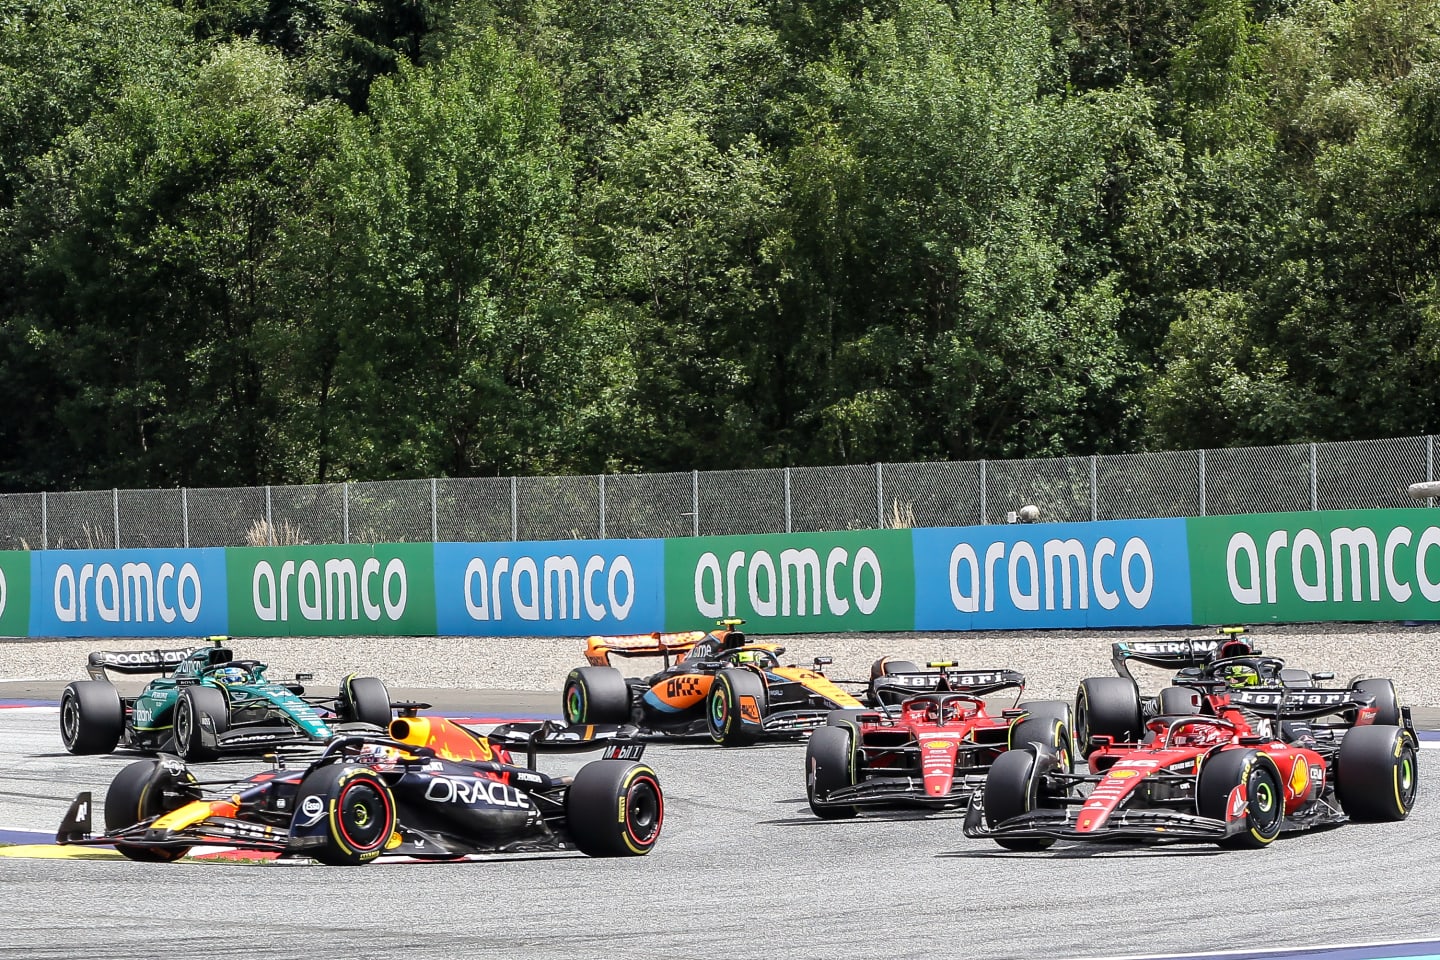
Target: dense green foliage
<point x="255" y="241"/>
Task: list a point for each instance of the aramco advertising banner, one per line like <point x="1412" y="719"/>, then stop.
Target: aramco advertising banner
<point x="1327" y="565"/>
<point x="859" y="580"/>
<point x="385" y="589"/>
<point x="126" y="593"/>
<point x="1040" y="576"/>
<point x="560" y="588"/>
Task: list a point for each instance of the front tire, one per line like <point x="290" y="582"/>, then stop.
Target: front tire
<point x="359" y="813"/>
<point x="1013" y="788"/>
<point x="92" y="718"/>
<point x="596" y="695"/>
<point x="193" y="704"/>
<point x="829" y="765"/>
<point x="365" y="700"/>
<point x="615" y="809"/>
<point x="142" y="790"/>
<point x="735" y="708"/>
<point x="1264" y="797"/>
<point x="1376" y="774"/>
<point x="1387" y="703"/>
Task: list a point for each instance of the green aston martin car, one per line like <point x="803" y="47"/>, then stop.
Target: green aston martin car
<point x="207" y="704"/>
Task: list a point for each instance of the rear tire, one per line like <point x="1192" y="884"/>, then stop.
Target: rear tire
<point x="1387" y="704"/>
<point x="145" y="789"/>
<point x="1012" y="788"/>
<point x="1376" y="774"/>
<point x="359" y="813"/>
<point x="596" y="695"/>
<point x="829" y="765"/>
<point x="92" y="718"/>
<point x="365" y="700"/>
<point x="615" y="809"/>
<point x="1109" y="707"/>
<point x="724" y="714"/>
<point x="1043" y="733"/>
<point x="193" y="704"/>
<point x="1178" y="702"/>
<point x="1264" y="797"/>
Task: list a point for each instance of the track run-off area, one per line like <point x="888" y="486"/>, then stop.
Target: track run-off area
<point x="742" y="870"/>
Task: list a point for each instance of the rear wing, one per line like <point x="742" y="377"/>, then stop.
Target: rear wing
<point x="1298" y="703"/>
<point x="946" y="677"/>
<point x="134" y="661"/>
<point x="1189" y="652"/>
<point x="599" y="650"/>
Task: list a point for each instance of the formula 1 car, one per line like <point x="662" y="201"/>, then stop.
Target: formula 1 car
<point x="932" y="749"/>
<point x="206" y="704"/>
<point x="1197" y="777"/>
<point x="434" y="789"/>
<point x="1115" y="707"/>
<point x="719" y="683"/>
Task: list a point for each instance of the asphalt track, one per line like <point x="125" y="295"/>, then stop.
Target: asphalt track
<point x="742" y="870"/>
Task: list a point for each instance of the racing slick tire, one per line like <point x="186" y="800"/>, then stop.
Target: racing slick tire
<point x="888" y="665"/>
<point x="1177" y="702"/>
<point x="92" y="718"/>
<point x="596" y="695"/>
<point x="724" y="708"/>
<point x="829" y="764"/>
<point x="882" y="691"/>
<point x="1387" y="704"/>
<point x="1043" y="732"/>
<point x="145" y="789"/>
<point x="1375" y="775"/>
<point x="193" y="704"/>
<point x="1221" y="773"/>
<point x="364" y="700"/>
<point x="1059" y="709"/>
<point x="1014" y="786"/>
<point x="1109" y="707"/>
<point x="357" y="809"/>
<point x="615" y="808"/>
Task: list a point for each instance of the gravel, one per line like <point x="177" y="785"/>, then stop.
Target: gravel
<point x="1053" y="661"/>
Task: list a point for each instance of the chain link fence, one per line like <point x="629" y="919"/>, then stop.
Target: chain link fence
<point x="1325" y="476"/>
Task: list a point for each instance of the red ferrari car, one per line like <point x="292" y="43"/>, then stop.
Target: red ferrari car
<point x="1221" y="777"/>
<point x="932" y="749"/>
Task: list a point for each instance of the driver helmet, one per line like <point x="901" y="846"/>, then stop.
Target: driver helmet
<point x="228" y="675"/>
<point x="747" y="656"/>
<point x="1240" y="675"/>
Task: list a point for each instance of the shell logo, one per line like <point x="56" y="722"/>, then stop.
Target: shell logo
<point x="1300" y="778"/>
<point x="1123" y="774"/>
<point x="937" y="744"/>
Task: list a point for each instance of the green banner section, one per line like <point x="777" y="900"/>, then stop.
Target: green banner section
<point x="15" y="580"/>
<point x="383" y="589"/>
<point x="792" y="583"/>
<point x="1331" y="565"/>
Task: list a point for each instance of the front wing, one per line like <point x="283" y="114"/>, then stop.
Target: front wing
<point x="1144" y="824"/>
<point x="899" y="791"/>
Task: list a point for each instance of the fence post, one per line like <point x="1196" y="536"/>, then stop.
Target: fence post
<point x="695" y="503"/>
<point x="269" y="517"/>
<point x="1094" y="493"/>
<point x="1203" y="498"/>
<point x="787" y="500"/>
<point x="1430" y="464"/>
<point x="984" y="513"/>
<point x="345" y="510"/>
<point x="115" y="511"/>
<point x="185" y="516"/>
<point x="602" y="506"/>
<point x="879" y="497"/>
<point x="1313" y="484"/>
<point x="434" y="511"/>
<point x="514" y="509"/>
<point x="44" y="522"/>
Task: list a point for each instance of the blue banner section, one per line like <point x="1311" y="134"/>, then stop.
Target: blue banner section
<point x="561" y="588"/>
<point x="1107" y="574"/>
<point x="128" y="593"/>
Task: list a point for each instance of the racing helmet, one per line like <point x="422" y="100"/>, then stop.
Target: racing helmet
<point x="229" y="675"/>
<point x="1240" y="675"/>
<point x="747" y="656"/>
